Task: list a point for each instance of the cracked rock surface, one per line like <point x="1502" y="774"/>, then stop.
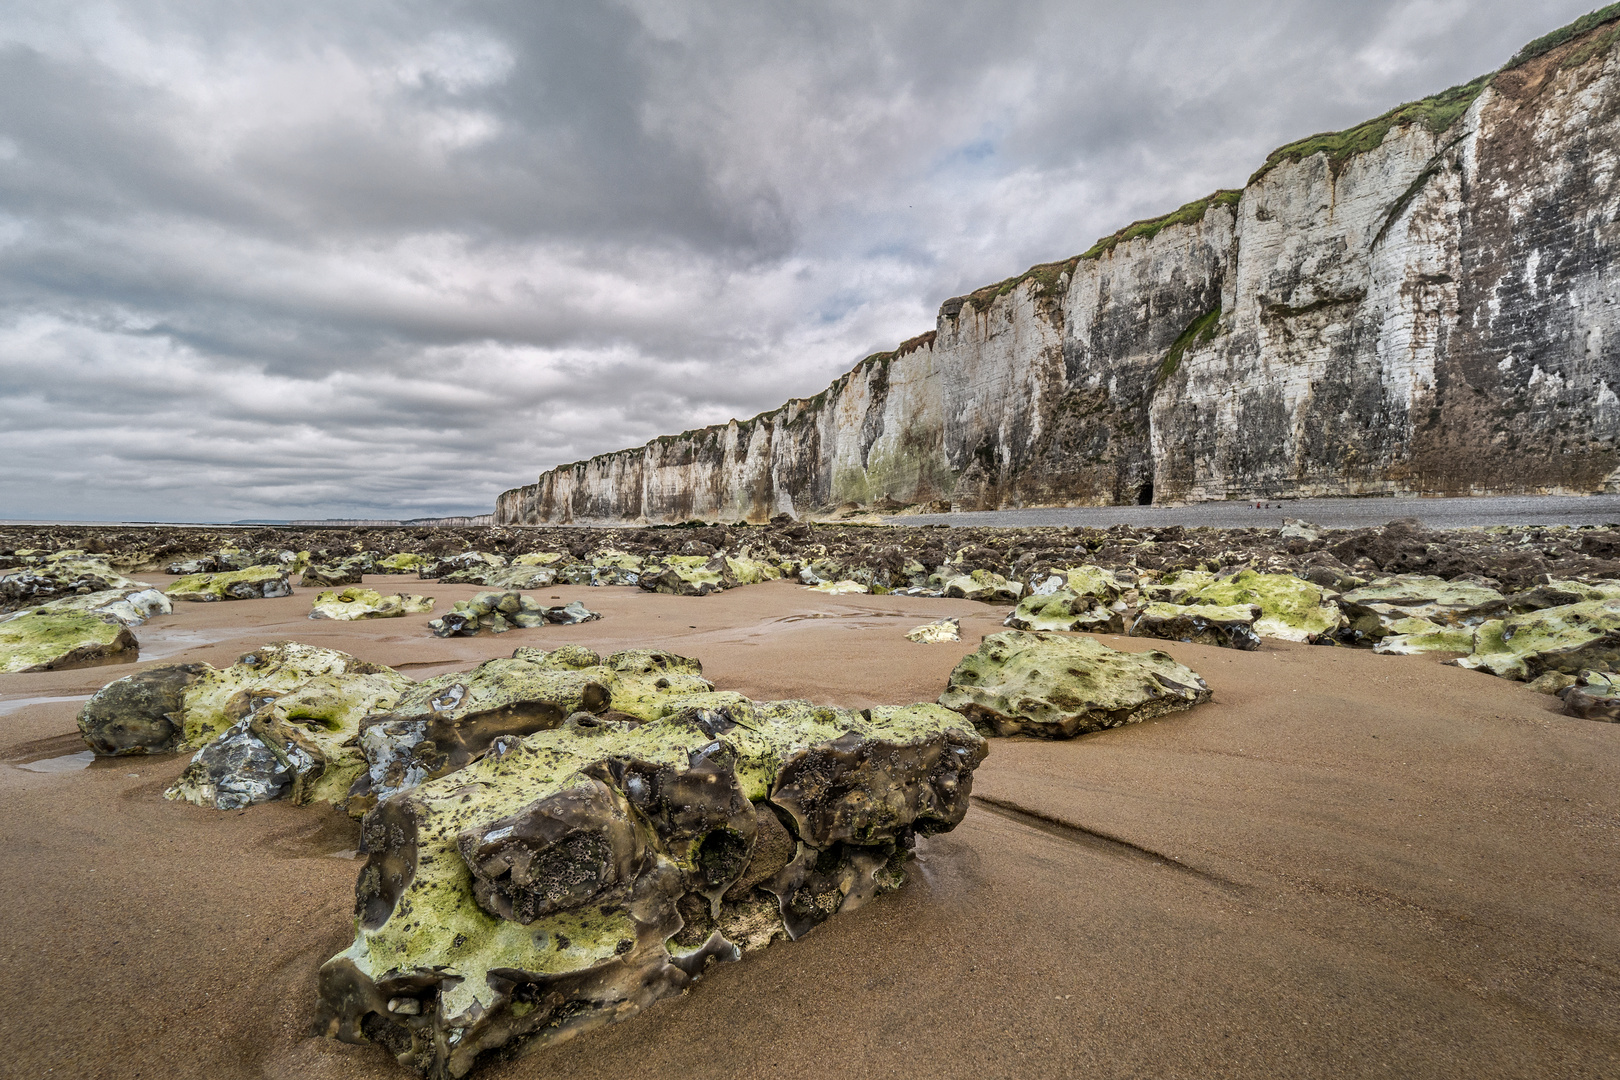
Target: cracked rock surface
<point x="1056" y="687"/>
<point x="573" y="877"/>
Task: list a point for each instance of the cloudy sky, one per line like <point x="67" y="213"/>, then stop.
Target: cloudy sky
<point x="389" y="259"/>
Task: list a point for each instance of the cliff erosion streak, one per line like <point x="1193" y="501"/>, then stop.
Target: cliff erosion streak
<point x="1423" y="304"/>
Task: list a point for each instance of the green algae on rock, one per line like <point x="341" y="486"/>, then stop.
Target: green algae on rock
<point x="572" y="878"/>
<point x="1067" y="610"/>
<point x="1291" y="608"/>
<point x="498" y="612"/>
<point x="1373" y="609"/>
<point x="301" y="744"/>
<point x="131" y="605"/>
<point x="1570" y="639"/>
<point x="253" y="583"/>
<point x="131" y="717"/>
<point x="63" y="574"/>
<point x="687" y="575"/>
<point x="1056" y="686"/>
<point x="984" y="586"/>
<point x="143" y="713"/>
<point x="56" y="640"/>
<point x="1228" y="626"/>
<point x="935" y="632"/>
<point x="355" y="603"/>
<point x="405" y="562"/>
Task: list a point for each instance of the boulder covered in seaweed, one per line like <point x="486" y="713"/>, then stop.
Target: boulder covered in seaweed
<point x="498" y="612"/>
<point x="571" y="878"/>
<point x="51" y="641"/>
<point x="184" y="706"/>
<point x="1229" y="626"/>
<point x="1056" y="686"/>
<point x="253" y="583"/>
<point x="301" y="744"/>
<point x="350" y="604"/>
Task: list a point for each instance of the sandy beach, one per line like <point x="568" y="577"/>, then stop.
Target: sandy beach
<point x="1346" y="865"/>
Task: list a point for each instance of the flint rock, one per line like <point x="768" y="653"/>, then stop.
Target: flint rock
<point x="984" y="586"/>
<point x="1291" y="608"/>
<point x="1373" y="610"/>
<point x="137" y="715"/>
<point x="687" y="575"/>
<point x="439" y="568"/>
<point x="572" y="878"/>
<point x="935" y="632"/>
<point x="1566" y="639"/>
<point x="253" y="583"/>
<point x="354" y="603"/>
<point x="1057" y="687"/>
<point x="404" y="562"/>
<point x="498" y="612"/>
<point x="1228" y="626"/>
<point x="1066" y="610"/>
<point x="131" y="606"/>
<point x="56" y="640"/>
<point x="350" y="571"/>
<point x="68" y="573"/>
<point x="301" y="744"/>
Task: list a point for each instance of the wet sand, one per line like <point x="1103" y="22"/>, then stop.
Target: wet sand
<point x="1346" y="865"/>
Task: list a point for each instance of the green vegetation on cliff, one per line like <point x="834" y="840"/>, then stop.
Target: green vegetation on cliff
<point x="1148" y="228"/>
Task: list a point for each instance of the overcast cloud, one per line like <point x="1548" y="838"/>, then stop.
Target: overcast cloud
<point x="389" y="259"/>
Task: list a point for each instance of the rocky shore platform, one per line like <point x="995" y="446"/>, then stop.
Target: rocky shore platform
<point x="1320" y="859"/>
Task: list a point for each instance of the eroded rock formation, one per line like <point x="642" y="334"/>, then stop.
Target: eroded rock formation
<point x="1422" y="304"/>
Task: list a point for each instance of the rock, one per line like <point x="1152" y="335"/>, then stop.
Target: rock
<point x="1600" y="702"/>
<point x="687" y="575"/>
<point x="254" y="583"/>
<point x="1291" y="608"/>
<point x="984" y="586"/>
<point x="301" y="744"/>
<point x="142" y="713"/>
<point x="404" y="562"/>
<point x="352" y="604"/>
<point x="572" y="878"/>
<point x="132" y="605"/>
<point x="64" y="574"/>
<point x="350" y="571"/>
<point x="1407" y="637"/>
<point x="1567" y="639"/>
<point x="935" y="632"/>
<point x="1230" y="627"/>
<point x="438" y="568"/>
<point x="1295" y="529"/>
<point x="498" y="612"/>
<point x="136" y="715"/>
<point x="1373" y="610"/>
<point x="838" y="588"/>
<point x="745" y="570"/>
<point x="1065" y="610"/>
<point x="1058" y="687"/>
<point x="1552" y="682"/>
<point x="52" y="641"/>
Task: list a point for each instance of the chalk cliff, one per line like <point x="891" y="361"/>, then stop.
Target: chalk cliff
<point x="1423" y="304"/>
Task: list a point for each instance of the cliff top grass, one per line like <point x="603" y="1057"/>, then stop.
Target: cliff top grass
<point x="1148" y="228"/>
<point x="1046" y="276"/>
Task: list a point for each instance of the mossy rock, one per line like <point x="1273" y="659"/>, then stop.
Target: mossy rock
<point x="1227" y="626"/>
<point x="254" y="583"/>
<point x="984" y="586"/>
<point x="498" y="612"/>
<point x="1291" y="608"/>
<point x="348" y="605"/>
<point x="1422" y="596"/>
<point x="60" y="575"/>
<point x="1569" y="639"/>
<point x="132" y="605"/>
<point x="300" y="745"/>
<point x="56" y="640"/>
<point x="573" y="877"/>
<point x="1411" y="636"/>
<point x="405" y="562"/>
<point x="1066" y="610"/>
<point x="687" y="575"/>
<point x="449" y="564"/>
<point x="936" y="632"/>
<point x="1056" y="687"/>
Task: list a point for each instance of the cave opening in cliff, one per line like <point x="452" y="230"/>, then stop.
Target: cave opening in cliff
<point x="1144" y="494"/>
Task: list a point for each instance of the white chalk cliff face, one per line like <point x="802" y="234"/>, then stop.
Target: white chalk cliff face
<point x="1434" y="312"/>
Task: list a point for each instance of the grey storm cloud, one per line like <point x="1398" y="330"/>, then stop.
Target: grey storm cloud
<point x="388" y="259"/>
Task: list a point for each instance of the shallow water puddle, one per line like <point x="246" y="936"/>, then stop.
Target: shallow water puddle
<point x="21" y="703"/>
<point x="65" y="763"/>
